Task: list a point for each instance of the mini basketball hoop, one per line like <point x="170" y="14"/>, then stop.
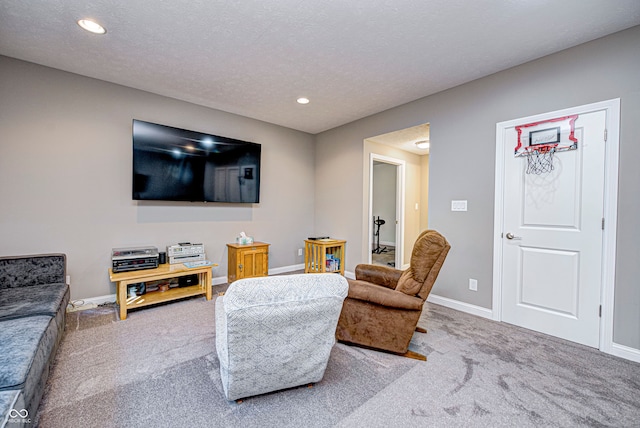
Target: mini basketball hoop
<point x="545" y="139"/>
<point x="539" y="158"/>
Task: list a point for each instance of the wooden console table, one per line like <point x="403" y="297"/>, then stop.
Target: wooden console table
<point x="124" y="279"/>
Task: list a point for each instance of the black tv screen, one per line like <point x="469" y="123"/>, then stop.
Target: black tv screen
<point x="172" y="164"/>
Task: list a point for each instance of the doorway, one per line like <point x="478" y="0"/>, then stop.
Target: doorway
<point x="553" y="256"/>
<point x="399" y="169"/>
<point x="386" y="210"/>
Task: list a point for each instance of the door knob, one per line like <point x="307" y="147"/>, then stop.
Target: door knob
<point x="510" y="235"/>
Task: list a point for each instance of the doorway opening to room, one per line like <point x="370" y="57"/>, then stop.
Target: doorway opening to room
<point x="398" y="177"/>
<point x="387" y="210"/>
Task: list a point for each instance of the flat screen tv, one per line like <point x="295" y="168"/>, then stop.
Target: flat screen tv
<point x="172" y="164"/>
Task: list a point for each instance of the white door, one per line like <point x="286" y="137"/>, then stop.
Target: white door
<point x="552" y="237"/>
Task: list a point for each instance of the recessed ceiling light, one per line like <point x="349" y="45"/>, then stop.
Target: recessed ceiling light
<point x="303" y="100"/>
<point x="424" y="144"/>
<point x="92" y="26"/>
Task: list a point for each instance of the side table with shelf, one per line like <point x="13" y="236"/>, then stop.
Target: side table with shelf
<point x="166" y="271"/>
<point x="318" y="251"/>
<point x="247" y="261"/>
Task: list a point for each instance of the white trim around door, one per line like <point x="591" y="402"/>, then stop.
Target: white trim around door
<point x="612" y="108"/>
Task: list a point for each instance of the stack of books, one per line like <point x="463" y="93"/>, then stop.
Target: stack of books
<point x="332" y="263"/>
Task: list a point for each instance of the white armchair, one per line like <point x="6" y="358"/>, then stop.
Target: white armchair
<point x="277" y="332"/>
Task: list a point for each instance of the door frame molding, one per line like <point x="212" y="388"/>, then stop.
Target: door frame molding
<point x="607" y="283"/>
<point x="400" y="197"/>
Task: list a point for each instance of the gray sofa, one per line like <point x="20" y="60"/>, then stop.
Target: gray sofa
<point x="33" y="301"/>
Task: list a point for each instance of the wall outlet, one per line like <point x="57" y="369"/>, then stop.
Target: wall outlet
<point x="68" y="280"/>
<point x="473" y="284"/>
<point x="458" y="205"/>
<point x="299" y="251"/>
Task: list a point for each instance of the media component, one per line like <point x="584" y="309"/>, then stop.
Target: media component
<point x="185" y="252"/>
<point x="134" y="258"/>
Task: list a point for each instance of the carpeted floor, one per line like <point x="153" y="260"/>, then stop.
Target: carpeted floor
<point x="159" y="368"/>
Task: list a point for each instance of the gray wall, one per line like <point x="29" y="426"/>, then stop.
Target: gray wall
<point x="65" y="177"/>
<point x="462" y="123"/>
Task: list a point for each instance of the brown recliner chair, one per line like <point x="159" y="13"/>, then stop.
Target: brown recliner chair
<point x="384" y="304"/>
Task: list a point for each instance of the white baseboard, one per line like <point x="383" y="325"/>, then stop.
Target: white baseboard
<point x="285" y="269"/>
<point x="218" y="280"/>
<point x="109" y="298"/>
<point x="460" y="306"/>
<point x="625" y="352"/>
<point x="294" y="268"/>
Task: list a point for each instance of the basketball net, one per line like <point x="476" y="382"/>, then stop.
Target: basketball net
<point x="540" y="158"/>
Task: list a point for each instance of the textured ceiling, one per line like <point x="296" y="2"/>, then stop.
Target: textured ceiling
<point x="405" y="139"/>
<point x="254" y="58"/>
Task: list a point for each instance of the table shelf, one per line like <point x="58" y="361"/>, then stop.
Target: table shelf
<point x="154" y="297"/>
<point x="124" y="279"/>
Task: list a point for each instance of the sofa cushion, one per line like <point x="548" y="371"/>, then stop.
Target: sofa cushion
<point x="31" y="341"/>
<point x="12" y="400"/>
<point x="46" y="299"/>
<point x="32" y="270"/>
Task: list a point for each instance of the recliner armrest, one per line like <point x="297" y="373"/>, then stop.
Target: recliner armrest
<point x="368" y="292"/>
<point x="378" y="274"/>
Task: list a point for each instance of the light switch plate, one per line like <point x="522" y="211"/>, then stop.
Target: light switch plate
<point x="458" y="205"/>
